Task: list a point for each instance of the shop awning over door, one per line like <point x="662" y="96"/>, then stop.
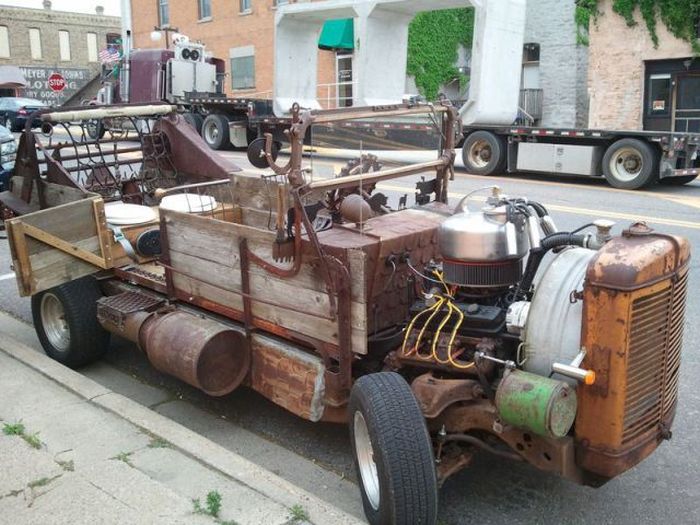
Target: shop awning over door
<point x="338" y="34"/>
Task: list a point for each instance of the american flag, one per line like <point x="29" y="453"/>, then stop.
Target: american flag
<point x="109" y="55"/>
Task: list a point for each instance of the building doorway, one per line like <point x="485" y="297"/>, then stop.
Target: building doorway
<point x="672" y="95"/>
<point x="344" y="79"/>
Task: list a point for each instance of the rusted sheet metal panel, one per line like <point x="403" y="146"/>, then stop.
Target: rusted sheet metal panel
<point x="637" y="259"/>
<point x="288" y="376"/>
<point x="390" y="288"/>
<point x="632" y="330"/>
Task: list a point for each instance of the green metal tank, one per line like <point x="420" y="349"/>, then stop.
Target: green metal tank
<point x="544" y="406"/>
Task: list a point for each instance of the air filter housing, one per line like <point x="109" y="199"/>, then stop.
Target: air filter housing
<point x="483" y="249"/>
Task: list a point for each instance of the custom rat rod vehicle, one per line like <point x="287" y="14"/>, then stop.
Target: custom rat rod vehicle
<point x="436" y="331"/>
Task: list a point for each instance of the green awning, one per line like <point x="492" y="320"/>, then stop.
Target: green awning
<point x="338" y="34"/>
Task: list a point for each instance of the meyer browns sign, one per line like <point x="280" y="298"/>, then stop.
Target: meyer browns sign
<point x="54" y="85"/>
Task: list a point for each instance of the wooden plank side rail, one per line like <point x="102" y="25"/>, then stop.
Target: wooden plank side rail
<point x="206" y="268"/>
<point x="64" y="246"/>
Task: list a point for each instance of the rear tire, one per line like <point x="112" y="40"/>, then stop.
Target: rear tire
<point x="65" y="319"/>
<point x="678" y="181"/>
<point x="215" y="132"/>
<point x="393" y="453"/>
<point x="195" y="120"/>
<point x="484" y="153"/>
<point x="631" y="164"/>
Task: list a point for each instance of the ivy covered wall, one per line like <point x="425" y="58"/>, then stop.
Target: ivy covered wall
<point x="679" y="16"/>
<point x="433" y="41"/>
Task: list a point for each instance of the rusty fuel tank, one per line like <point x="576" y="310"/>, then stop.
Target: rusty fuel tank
<point x="202" y="352"/>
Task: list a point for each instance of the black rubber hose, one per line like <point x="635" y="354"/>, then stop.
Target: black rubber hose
<point x="539" y="208"/>
<point x="550" y="242"/>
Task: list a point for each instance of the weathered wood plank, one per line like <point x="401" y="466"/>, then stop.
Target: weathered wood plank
<point x="324" y="330"/>
<point x="286" y="294"/>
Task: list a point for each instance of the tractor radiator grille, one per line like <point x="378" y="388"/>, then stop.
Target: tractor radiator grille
<point x="656" y="335"/>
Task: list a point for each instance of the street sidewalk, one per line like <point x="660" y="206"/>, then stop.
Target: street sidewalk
<point x="74" y="452"/>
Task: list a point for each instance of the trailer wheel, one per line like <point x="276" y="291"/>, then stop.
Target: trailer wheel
<point x="65" y="320"/>
<point x="630" y="164"/>
<point x="256" y="153"/>
<point x="484" y="153"/>
<point x="95" y="129"/>
<point x="195" y="120"/>
<point x="215" y="131"/>
<point x="678" y="181"/>
<point x="393" y="453"/>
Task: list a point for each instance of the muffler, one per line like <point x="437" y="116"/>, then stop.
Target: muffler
<point x="201" y="352"/>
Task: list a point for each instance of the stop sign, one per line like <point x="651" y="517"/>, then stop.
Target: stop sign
<point x="57" y="82"/>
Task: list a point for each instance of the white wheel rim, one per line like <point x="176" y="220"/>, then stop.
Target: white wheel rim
<point x="211" y="132"/>
<point x="626" y="164"/>
<point x="53" y="319"/>
<point x="480" y="153"/>
<point x="8" y="123"/>
<point x="365" y="460"/>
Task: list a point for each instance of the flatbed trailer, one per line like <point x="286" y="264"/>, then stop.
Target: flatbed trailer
<point x="627" y="159"/>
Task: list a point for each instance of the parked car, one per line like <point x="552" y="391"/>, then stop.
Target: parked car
<point x="8" y="149"/>
<point x="15" y="110"/>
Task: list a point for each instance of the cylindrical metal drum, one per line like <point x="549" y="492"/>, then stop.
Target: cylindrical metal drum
<point x="544" y="406"/>
<point x="202" y="352"/>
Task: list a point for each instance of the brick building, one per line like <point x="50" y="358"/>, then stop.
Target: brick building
<point x="634" y="85"/>
<point x="42" y="42"/>
<point x="241" y="31"/>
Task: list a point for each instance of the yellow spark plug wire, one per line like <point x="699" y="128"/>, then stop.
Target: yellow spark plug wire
<point x="438" y="307"/>
<point x="436" y="337"/>
<point x="452" y="340"/>
<point x="413" y="322"/>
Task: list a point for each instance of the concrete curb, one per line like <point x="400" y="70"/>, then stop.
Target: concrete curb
<point x="186" y="441"/>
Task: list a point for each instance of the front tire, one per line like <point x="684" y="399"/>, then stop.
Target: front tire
<point x="215" y="132"/>
<point x="393" y="453"/>
<point x="65" y="319"/>
<point x="484" y="153"/>
<point x="631" y="164"/>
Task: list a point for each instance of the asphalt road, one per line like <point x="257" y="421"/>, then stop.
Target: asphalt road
<point x="663" y="489"/>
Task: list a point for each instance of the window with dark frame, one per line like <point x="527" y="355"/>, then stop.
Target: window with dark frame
<point x="279" y="2"/>
<point x="659" y="95"/>
<point x="246" y="6"/>
<point x="204" y="9"/>
<point x="243" y="72"/>
<point x="163" y="13"/>
<point x="531" y="53"/>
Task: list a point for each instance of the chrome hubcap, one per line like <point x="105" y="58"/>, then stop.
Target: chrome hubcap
<point x="365" y="460"/>
<point x="626" y="164"/>
<point x="480" y="153"/>
<point x="211" y="133"/>
<point x="53" y="317"/>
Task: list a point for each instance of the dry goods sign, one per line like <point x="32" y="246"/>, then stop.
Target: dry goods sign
<point x="54" y="85"/>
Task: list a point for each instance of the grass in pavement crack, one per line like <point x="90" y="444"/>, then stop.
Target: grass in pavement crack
<point x="125" y="457"/>
<point x="42" y="482"/>
<point x="18" y="429"/>
<point x="158" y="442"/>
<point x="298" y="514"/>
